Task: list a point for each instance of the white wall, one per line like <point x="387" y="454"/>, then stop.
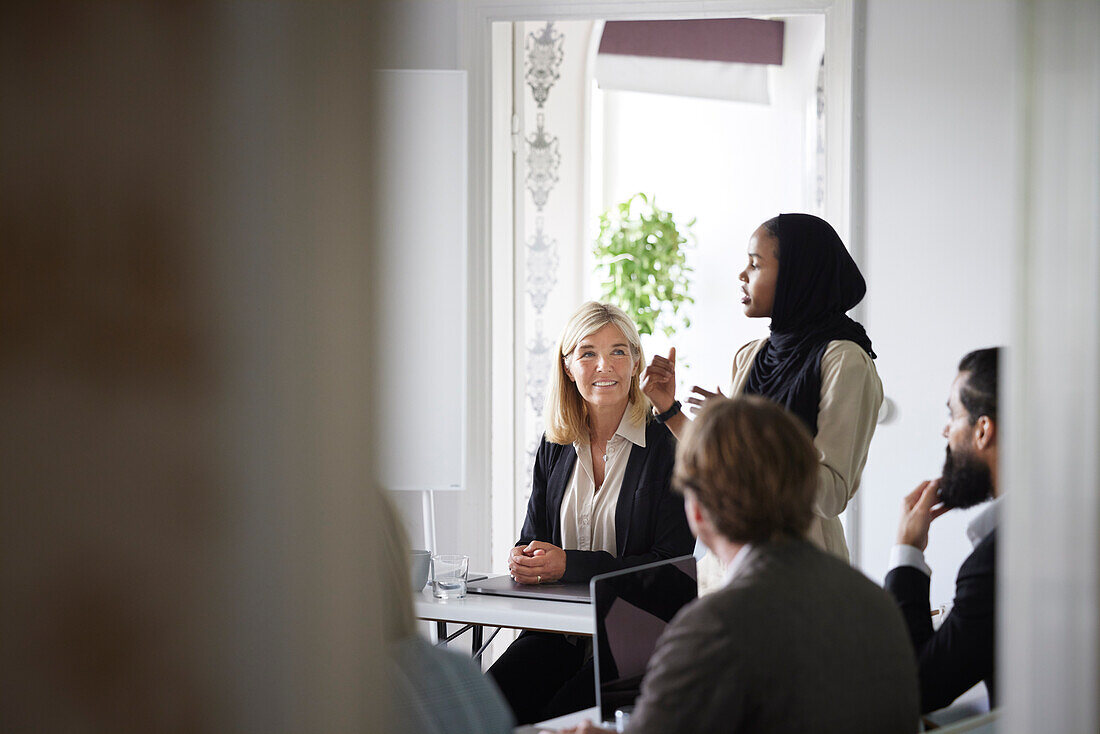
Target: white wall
<point x="941" y="183"/>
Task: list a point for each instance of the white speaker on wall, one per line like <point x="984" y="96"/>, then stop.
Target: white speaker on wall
<point x="421" y="269"/>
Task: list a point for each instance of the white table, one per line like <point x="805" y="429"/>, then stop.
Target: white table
<point x="561" y="722"/>
<point x="478" y="611"/>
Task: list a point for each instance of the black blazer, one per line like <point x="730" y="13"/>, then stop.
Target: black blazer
<point x="961" y="652"/>
<point x="650" y="524"/>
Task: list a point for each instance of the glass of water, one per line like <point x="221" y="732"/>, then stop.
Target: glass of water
<point x="449" y="576"/>
<point x="622" y="717"/>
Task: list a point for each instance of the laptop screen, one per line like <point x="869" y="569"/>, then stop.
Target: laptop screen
<point x="632" y="608"/>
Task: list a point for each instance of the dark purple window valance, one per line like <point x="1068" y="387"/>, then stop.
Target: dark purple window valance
<point x="734" y="40"/>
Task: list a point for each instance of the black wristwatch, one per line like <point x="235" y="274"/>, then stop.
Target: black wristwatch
<point x="672" y="410"/>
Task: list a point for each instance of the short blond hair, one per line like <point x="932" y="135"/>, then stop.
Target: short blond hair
<point x="566" y="412"/>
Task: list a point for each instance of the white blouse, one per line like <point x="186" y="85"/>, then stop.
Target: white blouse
<point x="588" y="514"/>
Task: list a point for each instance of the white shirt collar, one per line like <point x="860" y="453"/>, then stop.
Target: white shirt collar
<point x="736" y="563"/>
<point x="628" y="429"/>
<point x="631" y="431"/>
<point x="983" y="523"/>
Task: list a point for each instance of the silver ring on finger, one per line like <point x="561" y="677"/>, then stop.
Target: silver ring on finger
<point x="539" y="578"/>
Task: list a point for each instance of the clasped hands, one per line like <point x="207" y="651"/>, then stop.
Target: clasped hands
<point x="659" y="385"/>
<point x="536" y="563"/>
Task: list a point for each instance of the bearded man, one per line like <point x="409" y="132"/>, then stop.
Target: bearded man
<point x="962" y="651"/>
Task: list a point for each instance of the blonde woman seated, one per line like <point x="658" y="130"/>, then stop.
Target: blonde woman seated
<point x="601" y="500"/>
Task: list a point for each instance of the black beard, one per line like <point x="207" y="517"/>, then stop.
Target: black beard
<point x="965" y="481"/>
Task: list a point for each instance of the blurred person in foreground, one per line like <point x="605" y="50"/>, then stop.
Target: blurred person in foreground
<point x="795" y="640"/>
<point x="433" y="690"/>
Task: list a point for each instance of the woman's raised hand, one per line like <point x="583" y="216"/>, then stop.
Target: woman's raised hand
<point x="701" y="396"/>
<point x="659" y="381"/>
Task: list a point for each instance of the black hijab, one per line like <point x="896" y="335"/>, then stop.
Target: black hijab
<point x="817" y="284"/>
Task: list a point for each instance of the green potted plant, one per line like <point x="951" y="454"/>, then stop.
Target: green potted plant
<point x="641" y="253"/>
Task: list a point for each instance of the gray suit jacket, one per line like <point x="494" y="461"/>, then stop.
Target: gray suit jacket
<point x="799" y="642"/>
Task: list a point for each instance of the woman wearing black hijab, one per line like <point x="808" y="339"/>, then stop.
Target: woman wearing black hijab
<point x="817" y="362"/>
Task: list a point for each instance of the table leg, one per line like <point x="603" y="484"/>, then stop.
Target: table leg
<point x="477" y="632"/>
<point x="481" y="650"/>
<point x="440" y="633"/>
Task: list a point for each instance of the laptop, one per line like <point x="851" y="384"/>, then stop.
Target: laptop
<point x="632" y="608"/>
<point x="505" y="586"/>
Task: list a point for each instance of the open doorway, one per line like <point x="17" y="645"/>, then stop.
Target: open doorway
<point x="578" y="126"/>
<point x="547" y="168"/>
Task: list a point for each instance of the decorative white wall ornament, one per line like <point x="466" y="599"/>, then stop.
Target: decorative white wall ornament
<point x="544" y="57"/>
<point x="542" y="266"/>
<point x="538" y="369"/>
<point x="543" y="160"/>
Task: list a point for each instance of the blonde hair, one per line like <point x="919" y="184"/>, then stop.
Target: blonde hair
<point x="566" y="412"/>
